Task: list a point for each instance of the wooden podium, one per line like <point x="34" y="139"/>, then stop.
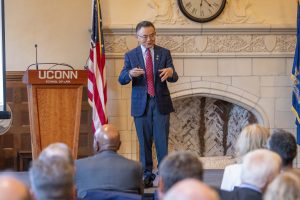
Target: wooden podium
<point x="54" y="101"/>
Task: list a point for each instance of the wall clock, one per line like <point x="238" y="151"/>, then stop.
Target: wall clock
<point x="201" y="10"/>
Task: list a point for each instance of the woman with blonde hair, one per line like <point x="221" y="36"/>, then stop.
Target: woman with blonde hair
<point x="251" y="138"/>
<point x="285" y="186"/>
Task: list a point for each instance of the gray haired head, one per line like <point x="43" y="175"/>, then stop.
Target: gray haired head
<point x="58" y="149"/>
<point x="52" y="179"/>
<point x="260" y="167"/>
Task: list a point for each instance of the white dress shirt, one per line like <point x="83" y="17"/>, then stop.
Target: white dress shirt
<point x="231" y="177"/>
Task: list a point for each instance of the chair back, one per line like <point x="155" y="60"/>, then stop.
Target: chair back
<point x="110" y="195"/>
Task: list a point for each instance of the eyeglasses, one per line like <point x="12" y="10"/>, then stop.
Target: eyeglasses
<point x="145" y="37"/>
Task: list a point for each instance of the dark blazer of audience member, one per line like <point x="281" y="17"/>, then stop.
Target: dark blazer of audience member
<point x="285" y="186"/>
<point x="52" y="179"/>
<point x="176" y="167"/>
<point x="107" y="170"/>
<point x="283" y="143"/>
<point x="259" y="168"/>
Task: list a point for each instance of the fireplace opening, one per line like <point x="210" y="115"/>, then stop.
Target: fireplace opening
<point x="207" y="126"/>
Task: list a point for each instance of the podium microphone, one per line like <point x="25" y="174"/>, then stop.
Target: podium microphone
<point x="36" y="63"/>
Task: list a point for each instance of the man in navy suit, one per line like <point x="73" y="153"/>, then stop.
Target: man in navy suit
<point x="149" y="67"/>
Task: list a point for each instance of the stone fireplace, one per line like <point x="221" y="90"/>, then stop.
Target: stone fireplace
<point x="207" y="126"/>
<point x="228" y="77"/>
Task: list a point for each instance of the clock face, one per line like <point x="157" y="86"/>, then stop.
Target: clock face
<point x="201" y="10"/>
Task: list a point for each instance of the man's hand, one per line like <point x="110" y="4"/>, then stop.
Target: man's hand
<point x="135" y="72"/>
<point x="165" y="73"/>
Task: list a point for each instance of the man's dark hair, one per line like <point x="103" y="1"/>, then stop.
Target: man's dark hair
<point x="144" y="24"/>
<point x="178" y="166"/>
<point x="283" y="143"/>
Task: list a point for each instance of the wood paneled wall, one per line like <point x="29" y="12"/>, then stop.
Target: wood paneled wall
<point x="17" y="139"/>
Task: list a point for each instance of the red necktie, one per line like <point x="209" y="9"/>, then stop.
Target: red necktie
<point x="149" y="73"/>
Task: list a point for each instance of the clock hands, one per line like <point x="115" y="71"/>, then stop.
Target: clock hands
<point x="207" y="3"/>
<point x="201" y="10"/>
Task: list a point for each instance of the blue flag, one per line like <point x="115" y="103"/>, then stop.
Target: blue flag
<point x="295" y="76"/>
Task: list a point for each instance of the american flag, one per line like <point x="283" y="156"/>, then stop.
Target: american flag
<point x="97" y="89"/>
<point x="296" y="78"/>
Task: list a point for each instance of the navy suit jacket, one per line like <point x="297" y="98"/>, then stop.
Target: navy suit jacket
<point x="108" y="170"/>
<point x="162" y="59"/>
<point x="240" y="194"/>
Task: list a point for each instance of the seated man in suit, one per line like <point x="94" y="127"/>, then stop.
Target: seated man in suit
<point x="259" y="168"/>
<point x="191" y="189"/>
<point x="283" y="143"/>
<point x="108" y="170"/>
<point x="176" y="167"/>
<point x="13" y="189"/>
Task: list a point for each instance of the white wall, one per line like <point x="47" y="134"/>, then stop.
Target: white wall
<point x="59" y="27"/>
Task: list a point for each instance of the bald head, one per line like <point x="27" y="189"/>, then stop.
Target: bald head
<point x="191" y="189"/>
<point x="13" y="189"/>
<point x="107" y="138"/>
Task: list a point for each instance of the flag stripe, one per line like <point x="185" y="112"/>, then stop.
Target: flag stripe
<point x="97" y="89"/>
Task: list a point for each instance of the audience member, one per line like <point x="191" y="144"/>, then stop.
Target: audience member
<point x="52" y="179"/>
<point x="13" y="189"/>
<point x="285" y="186"/>
<point x="108" y="170"/>
<point x="57" y="149"/>
<point x="283" y="143"/>
<point x="191" y="189"/>
<point x="252" y="137"/>
<point x="176" y="167"/>
<point x="258" y="169"/>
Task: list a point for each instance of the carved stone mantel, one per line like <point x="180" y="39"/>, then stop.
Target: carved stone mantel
<point x="209" y="41"/>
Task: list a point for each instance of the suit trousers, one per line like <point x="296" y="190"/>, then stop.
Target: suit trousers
<point x="152" y="125"/>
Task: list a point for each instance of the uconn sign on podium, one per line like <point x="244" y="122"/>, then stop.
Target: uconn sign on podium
<point x="55" y="77"/>
<point x="57" y="74"/>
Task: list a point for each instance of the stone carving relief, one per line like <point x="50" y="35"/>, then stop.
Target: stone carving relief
<point x="285" y="43"/>
<point x="195" y="44"/>
<point x="228" y="43"/>
<point x="270" y="42"/>
<point x="274" y="43"/>
<point x="116" y="44"/>
<point x="235" y="12"/>
<point x="174" y="43"/>
<point x="166" y="12"/>
<point x="256" y="44"/>
<point x="239" y="12"/>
